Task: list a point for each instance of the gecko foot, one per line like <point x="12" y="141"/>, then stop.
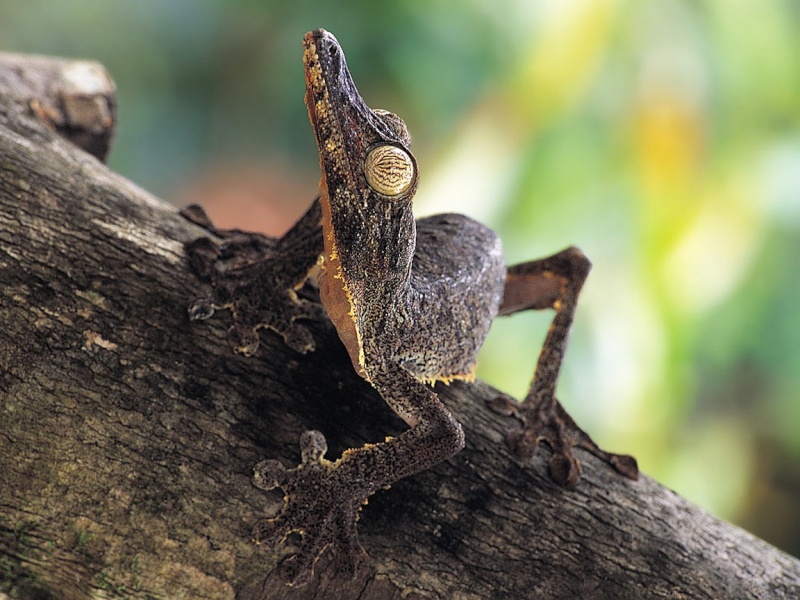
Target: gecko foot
<point x="249" y="279"/>
<point x="321" y="503"/>
<point x="548" y="422"/>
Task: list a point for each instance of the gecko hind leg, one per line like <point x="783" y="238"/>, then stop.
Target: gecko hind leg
<point x="552" y="282"/>
<point x="256" y="277"/>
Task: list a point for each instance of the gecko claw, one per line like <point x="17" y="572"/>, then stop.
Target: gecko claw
<point x="201" y="309"/>
<point x="250" y="279"/>
<point x="313" y="446"/>
<point x="548" y="422"/>
<point x="503" y="405"/>
<point x="243" y="339"/>
<point x="299" y="338"/>
<point x="321" y="503"/>
<point x="203" y="255"/>
<point x="197" y="215"/>
<point x="295" y="571"/>
<point x="269" y="474"/>
<point x="625" y="464"/>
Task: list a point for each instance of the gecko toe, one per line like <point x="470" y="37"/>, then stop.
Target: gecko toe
<point x="547" y="421"/>
<point x="522" y="442"/>
<point x="503" y="405"/>
<point x="352" y="559"/>
<point x="299" y="338"/>
<point x="625" y="464"/>
<point x="243" y="339"/>
<point x="203" y="255"/>
<point x="197" y="215"/>
<point x="295" y="571"/>
<point x="313" y="446"/>
<point x="269" y="474"/>
<point x="270" y="531"/>
<point x="201" y="309"/>
<point x="565" y="470"/>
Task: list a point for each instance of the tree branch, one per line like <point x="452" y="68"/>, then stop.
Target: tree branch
<point x="128" y="437"/>
<point x="75" y="98"/>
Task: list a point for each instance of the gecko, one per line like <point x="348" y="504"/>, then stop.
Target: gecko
<point x="412" y="302"/>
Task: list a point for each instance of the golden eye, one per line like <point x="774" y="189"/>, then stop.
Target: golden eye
<point x="389" y="170"/>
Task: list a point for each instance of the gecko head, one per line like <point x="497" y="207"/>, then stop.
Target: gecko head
<point x="369" y="175"/>
<point x="360" y="148"/>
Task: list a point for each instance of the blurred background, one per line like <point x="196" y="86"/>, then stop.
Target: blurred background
<point x="661" y="137"/>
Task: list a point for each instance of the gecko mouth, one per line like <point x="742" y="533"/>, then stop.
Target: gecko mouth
<point x="331" y="118"/>
<point x="316" y="89"/>
<point x="326" y="74"/>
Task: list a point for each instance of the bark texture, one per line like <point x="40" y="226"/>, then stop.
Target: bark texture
<point x="128" y="437"/>
<point x="76" y="98"/>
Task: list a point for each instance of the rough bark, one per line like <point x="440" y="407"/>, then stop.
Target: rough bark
<point x="76" y="98"/>
<point x="128" y="437"/>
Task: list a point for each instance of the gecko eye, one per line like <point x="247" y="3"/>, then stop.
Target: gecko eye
<point x="389" y="170"/>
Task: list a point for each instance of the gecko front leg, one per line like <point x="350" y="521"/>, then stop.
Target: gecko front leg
<point x="552" y="282"/>
<point x="256" y="277"/>
<point x="322" y="498"/>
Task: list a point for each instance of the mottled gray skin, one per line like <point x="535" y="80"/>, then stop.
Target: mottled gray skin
<point x="450" y="302"/>
<point x="411" y="300"/>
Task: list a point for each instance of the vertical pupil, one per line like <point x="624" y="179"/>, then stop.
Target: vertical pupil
<point x="389" y="170"/>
